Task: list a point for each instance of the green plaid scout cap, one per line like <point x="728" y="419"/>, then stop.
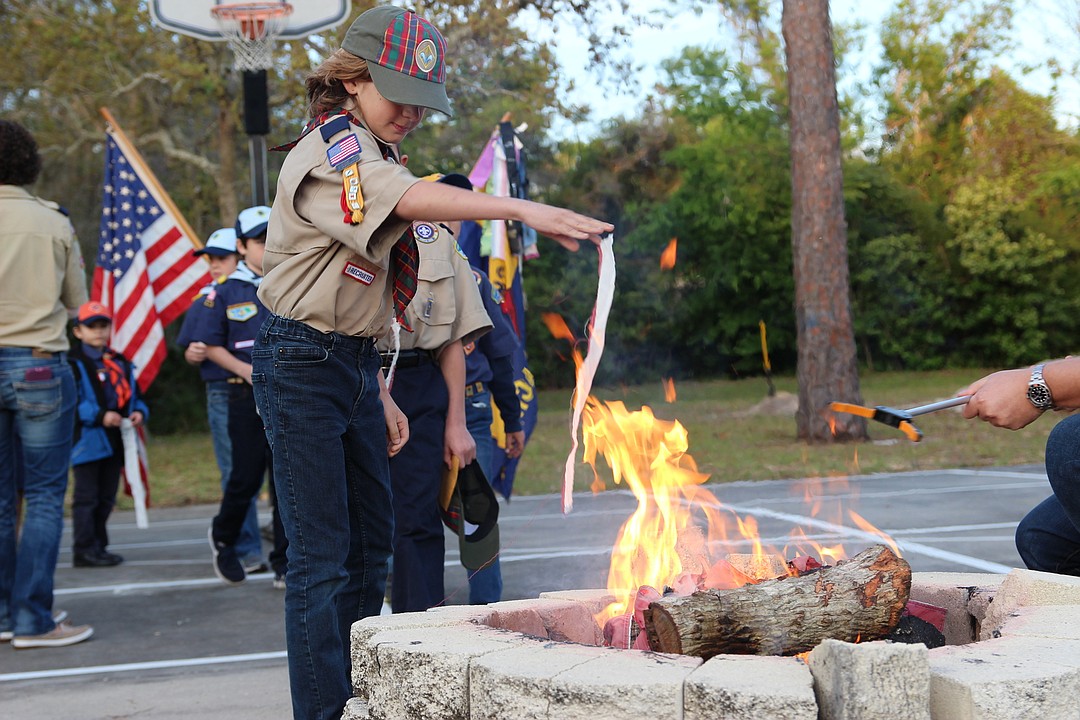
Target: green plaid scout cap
<point x="406" y="56"/>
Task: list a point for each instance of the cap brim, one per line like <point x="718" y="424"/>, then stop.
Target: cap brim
<point x="216" y="252"/>
<point x="94" y="318"/>
<point x="406" y="90"/>
<point x="457" y="180"/>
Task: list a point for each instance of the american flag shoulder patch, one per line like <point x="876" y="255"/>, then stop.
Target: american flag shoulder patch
<point x="344" y="152"/>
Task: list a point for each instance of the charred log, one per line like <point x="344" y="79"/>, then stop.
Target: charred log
<point x="859" y="599"/>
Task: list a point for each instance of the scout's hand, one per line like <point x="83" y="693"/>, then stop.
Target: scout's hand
<point x="397" y="426"/>
<point x="515" y="444"/>
<point x="111" y="418"/>
<point x="458" y="441"/>
<point x="195" y="353"/>
<point x="1001" y="399"/>
<point x="565" y="227"/>
<point x="136" y="418"/>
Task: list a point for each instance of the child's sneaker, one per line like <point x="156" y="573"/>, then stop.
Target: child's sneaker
<point x="279" y="581"/>
<point x="61" y="635"/>
<point x="226" y="565"/>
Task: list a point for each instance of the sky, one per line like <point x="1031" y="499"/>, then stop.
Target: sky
<point x="1039" y="33"/>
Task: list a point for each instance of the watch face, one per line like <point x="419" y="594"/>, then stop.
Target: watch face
<point x="1040" y="397"/>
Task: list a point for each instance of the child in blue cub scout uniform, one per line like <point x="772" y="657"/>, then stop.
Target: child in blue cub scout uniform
<point x="220" y="253"/>
<point x="489" y="375"/>
<point x="231" y="321"/>
<point x="107" y="392"/>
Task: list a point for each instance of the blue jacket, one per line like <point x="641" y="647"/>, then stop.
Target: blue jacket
<point x="91" y="437"/>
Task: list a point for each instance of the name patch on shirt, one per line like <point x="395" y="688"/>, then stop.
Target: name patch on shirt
<point x="241" y="344"/>
<point x="360" y="274"/>
<point x="242" y="312"/>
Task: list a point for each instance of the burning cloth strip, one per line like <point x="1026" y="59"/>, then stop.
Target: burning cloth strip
<point x="605" y="292"/>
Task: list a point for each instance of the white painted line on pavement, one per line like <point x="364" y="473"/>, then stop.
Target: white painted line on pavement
<point x="132" y="667"/>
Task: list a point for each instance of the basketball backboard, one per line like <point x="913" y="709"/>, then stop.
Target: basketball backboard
<point x="193" y="17"/>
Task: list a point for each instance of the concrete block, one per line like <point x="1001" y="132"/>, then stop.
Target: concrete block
<point x="1047" y="621"/>
<point x="595" y="599"/>
<point x="363" y="655"/>
<point x="871" y="680"/>
<point x="1025" y="588"/>
<point x="1014" y="678"/>
<point x="747" y="687"/>
<point x="516" y="683"/>
<point x="355" y="709"/>
<point x="420" y="676"/>
<point x="956" y="592"/>
<point x="622" y="685"/>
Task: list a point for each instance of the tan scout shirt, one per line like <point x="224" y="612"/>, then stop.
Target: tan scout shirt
<point x="41" y="272"/>
<point x="447" y="305"/>
<point x="320" y="270"/>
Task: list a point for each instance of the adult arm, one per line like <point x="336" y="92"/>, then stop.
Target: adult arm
<point x="1001" y="397"/>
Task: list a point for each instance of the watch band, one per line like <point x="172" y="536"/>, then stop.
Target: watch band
<point x="1038" y="393"/>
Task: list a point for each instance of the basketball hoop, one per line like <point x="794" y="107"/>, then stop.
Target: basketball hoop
<point x="251" y="29"/>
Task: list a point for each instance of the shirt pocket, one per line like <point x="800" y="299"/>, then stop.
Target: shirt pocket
<point x="435" y="302"/>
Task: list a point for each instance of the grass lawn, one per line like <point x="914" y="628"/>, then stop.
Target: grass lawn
<point x="733" y="435"/>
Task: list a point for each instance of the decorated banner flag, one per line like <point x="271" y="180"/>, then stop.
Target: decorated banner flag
<point x="145" y="272"/>
<point x="498" y="247"/>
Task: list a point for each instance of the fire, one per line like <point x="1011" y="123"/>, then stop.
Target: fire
<point x="669" y="390"/>
<point x="681" y="538"/>
<point x="667" y="258"/>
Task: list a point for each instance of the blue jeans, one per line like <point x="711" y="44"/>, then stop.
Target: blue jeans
<point x="249" y="544"/>
<point x="1048" y="538"/>
<point x="318" y="394"/>
<point x="37" y="402"/>
<point x="485" y="585"/>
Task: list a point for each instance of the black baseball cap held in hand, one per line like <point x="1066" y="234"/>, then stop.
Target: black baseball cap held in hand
<point x="469" y="508"/>
<point x="406" y="56"/>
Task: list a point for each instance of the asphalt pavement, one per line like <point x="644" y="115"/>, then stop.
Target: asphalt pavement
<point x="171" y="641"/>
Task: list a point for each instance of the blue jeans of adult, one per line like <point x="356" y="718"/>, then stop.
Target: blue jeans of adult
<point x="318" y="394"/>
<point x="249" y="542"/>
<point x="485" y="584"/>
<point x="37" y="402"/>
<point x="1048" y="538"/>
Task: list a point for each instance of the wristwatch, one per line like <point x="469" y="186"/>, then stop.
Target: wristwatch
<point x="1038" y="393"/>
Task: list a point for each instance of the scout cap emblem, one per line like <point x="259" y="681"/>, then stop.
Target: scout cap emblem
<point x="406" y="56"/>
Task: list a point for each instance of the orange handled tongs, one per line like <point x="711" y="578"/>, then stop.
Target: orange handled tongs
<point x="898" y="418"/>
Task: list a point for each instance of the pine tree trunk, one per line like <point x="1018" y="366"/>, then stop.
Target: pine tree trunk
<point x="827" y="369"/>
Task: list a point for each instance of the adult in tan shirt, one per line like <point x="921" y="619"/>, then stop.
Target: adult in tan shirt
<point x="343" y="200"/>
<point x="41" y="278"/>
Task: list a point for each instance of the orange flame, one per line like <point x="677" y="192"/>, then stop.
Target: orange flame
<point x="669" y="390"/>
<point x="667" y="258"/>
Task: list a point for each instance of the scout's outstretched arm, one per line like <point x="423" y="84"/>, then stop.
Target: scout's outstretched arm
<point x="426" y="200"/>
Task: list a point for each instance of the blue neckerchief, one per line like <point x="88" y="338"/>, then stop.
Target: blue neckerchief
<point x="245" y="274"/>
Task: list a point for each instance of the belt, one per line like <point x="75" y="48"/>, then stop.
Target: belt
<point x="235" y="381"/>
<point x="43" y="354"/>
<point x="474" y="389"/>
<point x="408" y="358"/>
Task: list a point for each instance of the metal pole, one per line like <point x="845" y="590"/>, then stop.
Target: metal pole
<point x="260" y="194"/>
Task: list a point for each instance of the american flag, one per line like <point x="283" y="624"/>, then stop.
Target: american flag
<point x="145" y="272"/>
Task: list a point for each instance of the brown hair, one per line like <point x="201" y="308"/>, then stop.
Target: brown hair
<point x="325" y="90"/>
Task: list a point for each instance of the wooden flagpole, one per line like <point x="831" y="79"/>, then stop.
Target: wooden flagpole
<point x="132" y="153"/>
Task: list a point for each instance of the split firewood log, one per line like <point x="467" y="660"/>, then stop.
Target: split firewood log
<point x="860" y="599"/>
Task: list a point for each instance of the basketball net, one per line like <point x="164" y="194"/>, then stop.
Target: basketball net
<point x="251" y="30"/>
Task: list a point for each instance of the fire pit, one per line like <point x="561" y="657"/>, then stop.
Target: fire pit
<point x="1013" y="651"/>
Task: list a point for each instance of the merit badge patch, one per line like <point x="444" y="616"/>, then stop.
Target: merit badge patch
<point x="426" y="55"/>
<point x="425" y="232"/>
<point x="242" y="312"/>
<point x="344" y="152"/>
<point x="361" y="275"/>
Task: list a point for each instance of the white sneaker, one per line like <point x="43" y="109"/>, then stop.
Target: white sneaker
<point x="58" y="617"/>
<point x="61" y="635"/>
